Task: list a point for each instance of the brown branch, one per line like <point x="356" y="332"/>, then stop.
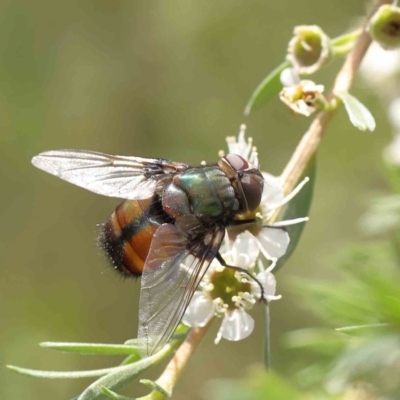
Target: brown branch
<point x="175" y="367"/>
<point x="312" y="138"/>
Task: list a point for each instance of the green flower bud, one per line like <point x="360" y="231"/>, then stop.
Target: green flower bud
<point x="384" y="27"/>
<point x="309" y="49"/>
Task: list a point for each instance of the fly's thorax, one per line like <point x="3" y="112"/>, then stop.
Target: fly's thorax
<point x="246" y="179"/>
<point x="205" y="192"/>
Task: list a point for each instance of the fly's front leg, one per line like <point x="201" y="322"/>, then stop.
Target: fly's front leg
<point x="239" y="269"/>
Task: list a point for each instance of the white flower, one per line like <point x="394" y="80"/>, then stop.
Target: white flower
<point x="229" y="294"/>
<point x="379" y="66"/>
<point x="394" y="113"/>
<point x="272" y="240"/>
<point x="391" y="153"/>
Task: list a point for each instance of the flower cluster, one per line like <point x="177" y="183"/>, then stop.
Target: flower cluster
<point x="228" y="293"/>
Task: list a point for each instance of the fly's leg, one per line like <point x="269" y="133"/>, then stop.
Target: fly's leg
<point x="239" y="269"/>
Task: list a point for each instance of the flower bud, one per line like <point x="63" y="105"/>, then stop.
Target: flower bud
<point x="303" y="98"/>
<point x="309" y="49"/>
<point x="384" y="27"/>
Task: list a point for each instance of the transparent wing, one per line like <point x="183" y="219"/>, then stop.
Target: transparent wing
<point x="171" y="274"/>
<point x="131" y="178"/>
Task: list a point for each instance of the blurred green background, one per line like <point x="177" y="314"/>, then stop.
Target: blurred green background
<point x="155" y="79"/>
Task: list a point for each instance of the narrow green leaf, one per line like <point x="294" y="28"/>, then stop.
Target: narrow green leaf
<point x="342" y="45"/>
<point x="362" y="330"/>
<point x="114" y="396"/>
<point x="298" y="207"/>
<point x="346" y="38"/>
<point x="123" y="375"/>
<point x="359" y="115"/>
<point x="91" y="348"/>
<point x="267" y="89"/>
<point x="59" y="374"/>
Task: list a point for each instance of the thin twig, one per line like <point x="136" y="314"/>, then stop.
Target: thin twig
<point x="312" y="138"/>
<point x="175" y="367"/>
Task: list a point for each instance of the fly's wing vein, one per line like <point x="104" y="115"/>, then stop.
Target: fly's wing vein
<point x="171" y="274"/>
<point x="131" y="178"/>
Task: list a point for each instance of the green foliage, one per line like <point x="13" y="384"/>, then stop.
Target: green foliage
<point x="93" y="348"/>
<point x="366" y="301"/>
<point x="259" y="385"/>
<point x="297" y="208"/>
<point x="111" y="378"/>
<point x="267" y="89"/>
<point x="383" y="214"/>
<point x="367" y="292"/>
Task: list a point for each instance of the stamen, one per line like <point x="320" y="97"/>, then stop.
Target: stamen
<point x="294" y="191"/>
<point x="290" y="222"/>
<point x="218" y="338"/>
<point x="278" y="297"/>
<point x="241" y="277"/>
<point x="271" y="267"/>
<point x="305" y="45"/>
<point x="259" y="216"/>
<point x="219" y="268"/>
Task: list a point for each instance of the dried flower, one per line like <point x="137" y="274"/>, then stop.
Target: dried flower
<point x="304" y="98"/>
<point x="379" y="67"/>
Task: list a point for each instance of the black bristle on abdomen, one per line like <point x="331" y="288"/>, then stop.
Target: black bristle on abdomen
<point x="112" y="243"/>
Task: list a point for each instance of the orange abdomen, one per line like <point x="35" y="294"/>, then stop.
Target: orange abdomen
<point x="126" y="236"/>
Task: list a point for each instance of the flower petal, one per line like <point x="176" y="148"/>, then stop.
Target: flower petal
<point x="236" y="325"/>
<point x="273" y="195"/>
<point x="268" y="282"/>
<point x="289" y="77"/>
<point x="273" y="242"/>
<point x="244" y="250"/>
<point x="199" y="311"/>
